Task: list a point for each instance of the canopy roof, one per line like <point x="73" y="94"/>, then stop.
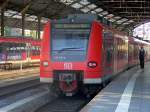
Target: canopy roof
<point x="122" y="13"/>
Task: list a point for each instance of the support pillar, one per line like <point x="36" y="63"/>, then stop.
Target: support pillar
<point x="2" y="22"/>
<point x="23" y="24"/>
<point x="39" y="27"/>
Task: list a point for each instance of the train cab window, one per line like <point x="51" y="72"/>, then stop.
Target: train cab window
<point x="69" y="44"/>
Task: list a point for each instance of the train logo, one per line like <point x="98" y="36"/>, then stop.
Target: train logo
<point x="67" y="66"/>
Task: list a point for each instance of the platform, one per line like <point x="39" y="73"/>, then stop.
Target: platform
<point x="18" y="73"/>
<point x="13" y="76"/>
<point x="129" y="92"/>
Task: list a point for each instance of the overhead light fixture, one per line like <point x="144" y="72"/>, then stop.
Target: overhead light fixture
<point x="77" y="5"/>
<point x="98" y="9"/>
<point x="126" y="23"/>
<point x="119" y="22"/>
<point x="116" y="17"/>
<point x="104" y="13"/>
<point x="84" y="2"/>
<point x="93" y="12"/>
<point x="67" y="2"/>
<point x="100" y="15"/>
<point x="106" y="17"/>
<point x="91" y="6"/>
<point x="130" y="21"/>
<point x="112" y="20"/>
<point x="110" y="15"/>
<point x="85" y="9"/>
<point x="124" y="19"/>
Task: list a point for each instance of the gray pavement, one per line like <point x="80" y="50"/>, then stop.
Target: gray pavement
<point x="27" y="100"/>
<point x="129" y="92"/>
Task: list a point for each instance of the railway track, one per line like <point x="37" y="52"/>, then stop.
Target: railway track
<point x="24" y="100"/>
<point x="17" y="73"/>
<point x="28" y="88"/>
<point x="19" y="86"/>
<point x="11" y="76"/>
<point x="24" y="95"/>
<point x="22" y="90"/>
<point x="65" y="104"/>
<point x="12" y="81"/>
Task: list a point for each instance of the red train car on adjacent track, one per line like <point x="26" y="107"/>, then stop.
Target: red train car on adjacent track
<point x="80" y="53"/>
<point x="19" y="50"/>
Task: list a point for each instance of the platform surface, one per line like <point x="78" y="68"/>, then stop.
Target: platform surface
<point x="129" y="92"/>
<point x="12" y="74"/>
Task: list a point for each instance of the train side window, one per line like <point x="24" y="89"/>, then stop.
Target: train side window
<point x="108" y="55"/>
<point x="1" y="49"/>
<point x="108" y="45"/>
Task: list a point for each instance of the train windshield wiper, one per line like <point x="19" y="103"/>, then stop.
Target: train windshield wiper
<point x="70" y="48"/>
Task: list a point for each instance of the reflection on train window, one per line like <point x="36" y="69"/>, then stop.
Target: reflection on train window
<point x="35" y="53"/>
<point x="108" y="46"/>
<point x="1" y="49"/>
<point x="69" y="44"/>
<point x="35" y="50"/>
<point x="108" y="56"/>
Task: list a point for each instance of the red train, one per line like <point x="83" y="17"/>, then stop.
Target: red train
<point x="15" y="51"/>
<point x="80" y="53"/>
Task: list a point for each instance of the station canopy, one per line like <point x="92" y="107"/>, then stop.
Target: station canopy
<point x="46" y="9"/>
<point x="122" y="13"/>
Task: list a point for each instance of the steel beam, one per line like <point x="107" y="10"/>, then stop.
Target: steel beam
<point x="129" y="7"/>
<point x="127" y="12"/>
<point x="2" y="8"/>
<point x="4" y="4"/>
<point x="121" y="1"/>
<point x="2" y="22"/>
<point x="23" y="24"/>
<point x="27" y="6"/>
<point x="39" y="27"/>
<point x="122" y="24"/>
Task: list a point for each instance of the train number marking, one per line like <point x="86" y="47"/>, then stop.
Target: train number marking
<point x="67" y="66"/>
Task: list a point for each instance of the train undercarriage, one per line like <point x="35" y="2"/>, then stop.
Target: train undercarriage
<point x="71" y="83"/>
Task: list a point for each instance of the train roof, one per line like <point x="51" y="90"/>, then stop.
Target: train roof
<point x="85" y="18"/>
<point x="20" y="40"/>
<point x="76" y="18"/>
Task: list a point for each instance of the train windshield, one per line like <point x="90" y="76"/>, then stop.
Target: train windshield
<point x="69" y="44"/>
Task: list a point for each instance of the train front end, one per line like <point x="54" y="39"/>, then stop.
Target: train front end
<point x="71" y="54"/>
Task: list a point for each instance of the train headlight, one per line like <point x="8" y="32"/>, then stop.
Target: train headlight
<point x="92" y="64"/>
<point x="45" y="63"/>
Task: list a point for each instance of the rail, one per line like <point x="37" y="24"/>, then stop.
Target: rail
<point x="5" y="66"/>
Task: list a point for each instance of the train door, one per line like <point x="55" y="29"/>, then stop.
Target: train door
<point x="35" y="52"/>
<point x="130" y="55"/>
<point x="28" y="51"/>
<point x="2" y="53"/>
<point x="108" y="42"/>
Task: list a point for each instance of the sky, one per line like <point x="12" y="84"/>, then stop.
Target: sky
<point x="142" y="31"/>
